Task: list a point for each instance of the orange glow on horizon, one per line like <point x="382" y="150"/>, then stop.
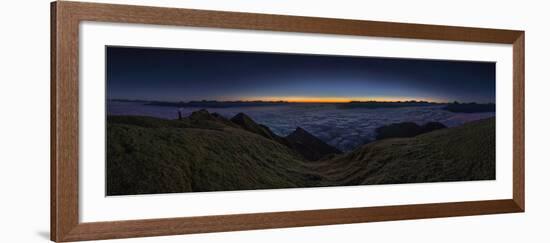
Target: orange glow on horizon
<point x="337" y="99"/>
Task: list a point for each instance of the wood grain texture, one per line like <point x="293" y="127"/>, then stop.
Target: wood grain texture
<point x="159" y="227"/>
<point x="519" y="121"/>
<point x="66" y="17"/>
<point x="65" y="123"/>
<point x="53" y="119"/>
<point x="250" y="21"/>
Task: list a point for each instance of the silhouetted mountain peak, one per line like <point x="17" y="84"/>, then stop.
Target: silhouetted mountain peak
<point x="242" y="118"/>
<point x="246" y="123"/>
<point x="301" y="130"/>
<point x="302" y="133"/>
<point x="204" y="117"/>
<point x="201" y="114"/>
<point x="309" y="146"/>
<point x="301" y="141"/>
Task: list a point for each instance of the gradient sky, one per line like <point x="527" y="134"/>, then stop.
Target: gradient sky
<point x="186" y="75"/>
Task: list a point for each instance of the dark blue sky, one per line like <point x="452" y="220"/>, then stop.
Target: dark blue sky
<point x="185" y="75"/>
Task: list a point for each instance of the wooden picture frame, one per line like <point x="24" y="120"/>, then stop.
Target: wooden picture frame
<point x="65" y="19"/>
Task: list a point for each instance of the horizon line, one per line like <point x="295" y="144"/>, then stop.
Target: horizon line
<point x="302" y="101"/>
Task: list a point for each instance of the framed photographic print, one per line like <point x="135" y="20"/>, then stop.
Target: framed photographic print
<point x="175" y="121"/>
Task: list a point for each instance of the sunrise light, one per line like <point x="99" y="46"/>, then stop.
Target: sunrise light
<point x="297" y="99"/>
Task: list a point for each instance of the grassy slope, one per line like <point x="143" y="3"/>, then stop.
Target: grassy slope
<point x="148" y="155"/>
<point x="455" y="154"/>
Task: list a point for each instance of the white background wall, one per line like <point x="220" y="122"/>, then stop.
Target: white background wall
<point x="24" y="120"/>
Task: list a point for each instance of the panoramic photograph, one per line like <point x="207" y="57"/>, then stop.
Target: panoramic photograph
<point x="188" y="120"/>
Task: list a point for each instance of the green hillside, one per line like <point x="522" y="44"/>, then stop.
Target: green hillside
<point x="148" y="155"/>
<point x="206" y="152"/>
<point x="453" y="154"/>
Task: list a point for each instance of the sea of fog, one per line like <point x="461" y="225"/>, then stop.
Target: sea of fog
<point x="342" y="128"/>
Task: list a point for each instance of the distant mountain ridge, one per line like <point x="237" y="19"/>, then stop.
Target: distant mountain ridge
<point x="240" y="103"/>
<point x="215" y="103"/>
<point x="452" y="107"/>
<point x="385" y="104"/>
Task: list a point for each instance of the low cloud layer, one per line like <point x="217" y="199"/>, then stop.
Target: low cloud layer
<point x="344" y="129"/>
